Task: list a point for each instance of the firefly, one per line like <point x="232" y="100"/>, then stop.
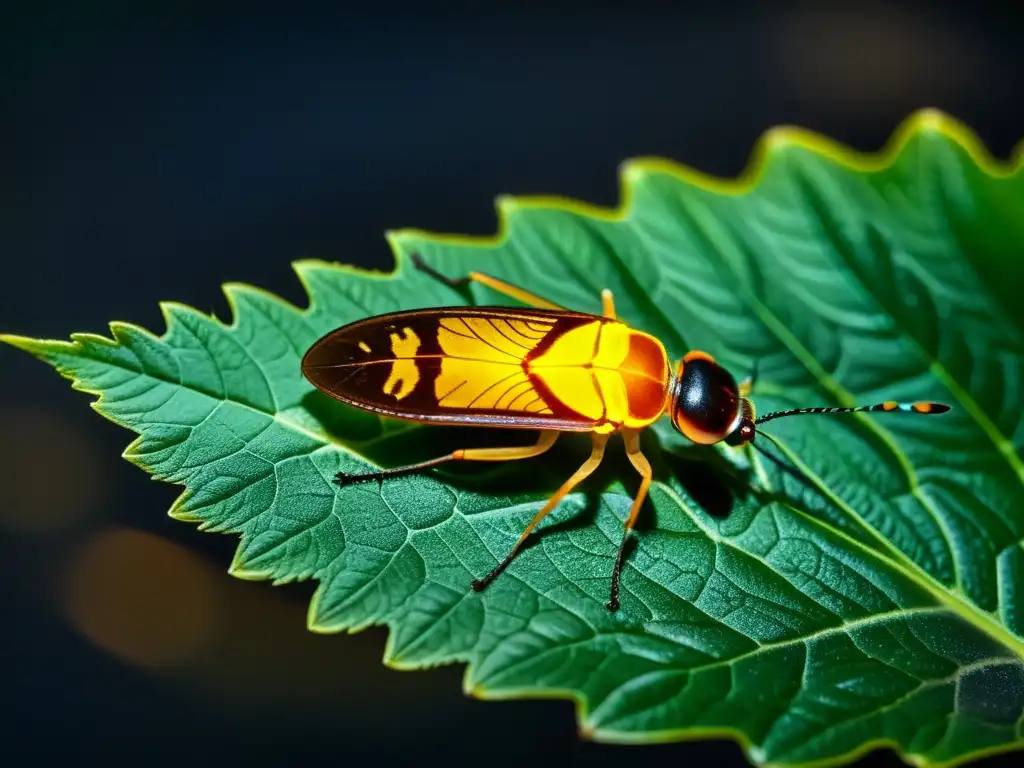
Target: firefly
<point x="541" y="367"/>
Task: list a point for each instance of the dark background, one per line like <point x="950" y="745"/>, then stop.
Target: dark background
<point x="154" y="156"/>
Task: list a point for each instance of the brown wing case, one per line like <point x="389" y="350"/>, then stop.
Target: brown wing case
<point x="457" y="365"/>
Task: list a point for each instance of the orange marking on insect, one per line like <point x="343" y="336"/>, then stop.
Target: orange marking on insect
<point x="890" y="405"/>
<point x="696" y="354"/>
<point x="922" y="407"/>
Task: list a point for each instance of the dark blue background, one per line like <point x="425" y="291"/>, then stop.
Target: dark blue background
<point x="153" y="157"/>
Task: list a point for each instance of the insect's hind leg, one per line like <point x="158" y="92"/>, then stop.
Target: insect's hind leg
<point x="512" y="291"/>
<point x="581" y="474"/>
<point x="544" y="442"/>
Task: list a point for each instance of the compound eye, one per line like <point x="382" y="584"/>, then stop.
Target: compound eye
<point x="706" y="403"/>
<point x="742" y="434"/>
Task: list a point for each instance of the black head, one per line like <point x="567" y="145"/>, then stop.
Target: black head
<point x="707" y="406"/>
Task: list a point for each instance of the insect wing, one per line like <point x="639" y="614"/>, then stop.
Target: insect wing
<point x="455" y="365"/>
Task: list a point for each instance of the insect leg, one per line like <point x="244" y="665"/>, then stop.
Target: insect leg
<point x="512" y="291"/>
<point x="544" y="442"/>
<point x="608" y="303"/>
<point x="596" y="454"/>
<point x="632" y="440"/>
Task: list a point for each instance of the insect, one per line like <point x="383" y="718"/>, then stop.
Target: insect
<point x="544" y="368"/>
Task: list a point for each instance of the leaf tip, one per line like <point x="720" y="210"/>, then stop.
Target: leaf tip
<point x="44" y="349"/>
<point x="935" y="120"/>
<point x="314" y="622"/>
<point x="304" y="266"/>
<point x="246" y="575"/>
<point x="306" y="271"/>
<point x="235" y="293"/>
<point x="472" y="690"/>
<point x="396" y="237"/>
<point x="395" y="663"/>
<point x="634" y="171"/>
<point x="134" y="453"/>
<point x="931" y="119"/>
<point x="171" y="310"/>
<point x="21" y="342"/>
<point x="397" y="240"/>
<point x="507" y="203"/>
<point x="177" y="511"/>
<point x="404" y="240"/>
<point x="240" y="571"/>
<point x="779" y="136"/>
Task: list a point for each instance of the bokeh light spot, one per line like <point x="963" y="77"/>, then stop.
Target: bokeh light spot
<point x="144" y="599"/>
<point x="48" y="471"/>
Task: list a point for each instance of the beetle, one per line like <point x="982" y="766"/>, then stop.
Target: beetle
<point x="541" y="367"/>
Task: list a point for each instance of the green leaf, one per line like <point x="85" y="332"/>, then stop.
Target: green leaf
<point x="878" y="602"/>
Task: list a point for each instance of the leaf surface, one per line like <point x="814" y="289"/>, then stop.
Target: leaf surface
<point x="878" y="602"/>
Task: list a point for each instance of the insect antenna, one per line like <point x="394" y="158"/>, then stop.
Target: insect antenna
<point x="795" y="472"/>
<point x="781" y="463"/>
<point x="924" y="408"/>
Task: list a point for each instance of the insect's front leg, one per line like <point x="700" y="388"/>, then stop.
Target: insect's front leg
<point x="639" y="461"/>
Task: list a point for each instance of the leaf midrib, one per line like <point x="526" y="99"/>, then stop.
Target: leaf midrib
<point x="80" y="351"/>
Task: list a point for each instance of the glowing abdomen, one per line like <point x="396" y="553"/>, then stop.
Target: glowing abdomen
<point x="606" y="372"/>
<point x="645" y="373"/>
